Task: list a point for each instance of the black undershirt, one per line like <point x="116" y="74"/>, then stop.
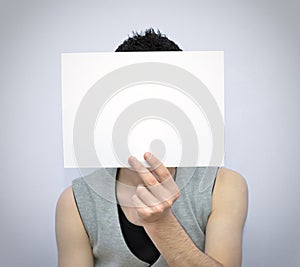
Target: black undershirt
<point x="137" y="240"/>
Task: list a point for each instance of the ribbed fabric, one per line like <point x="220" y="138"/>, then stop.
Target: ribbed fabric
<point x="96" y="201"/>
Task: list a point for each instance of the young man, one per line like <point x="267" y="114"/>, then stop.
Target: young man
<point x="153" y="223"/>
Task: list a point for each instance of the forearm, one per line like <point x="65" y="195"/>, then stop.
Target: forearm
<point x="175" y="245"/>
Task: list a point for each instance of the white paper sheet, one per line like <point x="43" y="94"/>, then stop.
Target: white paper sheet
<point x="119" y="104"/>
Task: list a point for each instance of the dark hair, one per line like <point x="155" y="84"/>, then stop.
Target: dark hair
<point x="150" y="41"/>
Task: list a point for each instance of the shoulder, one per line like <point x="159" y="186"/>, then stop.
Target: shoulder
<point x="66" y="199"/>
<point x="73" y="243"/>
<point x="227" y="178"/>
<point x="230" y="193"/>
<point x="66" y="205"/>
<point x="67" y="219"/>
<point x="66" y="209"/>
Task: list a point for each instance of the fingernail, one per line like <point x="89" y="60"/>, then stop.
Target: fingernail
<point x="132" y="159"/>
<point x="147" y="155"/>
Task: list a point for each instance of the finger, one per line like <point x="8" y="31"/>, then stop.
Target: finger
<point x="142" y="209"/>
<point x="137" y="202"/>
<point x="146" y="196"/>
<point x="147" y="212"/>
<point x="163" y="174"/>
<point x="146" y="176"/>
<point x="162" y="193"/>
<point x="157" y="167"/>
<point x="149" y="180"/>
<point x="165" y="193"/>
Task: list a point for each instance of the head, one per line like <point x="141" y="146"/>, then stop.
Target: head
<point x="149" y="41"/>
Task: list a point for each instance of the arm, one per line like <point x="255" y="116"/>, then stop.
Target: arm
<point x="223" y="246"/>
<point x="74" y="249"/>
<point x="225" y="226"/>
<point x="176" y="246"/>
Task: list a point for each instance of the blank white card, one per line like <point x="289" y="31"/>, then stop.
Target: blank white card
<point x="119" y="104"/>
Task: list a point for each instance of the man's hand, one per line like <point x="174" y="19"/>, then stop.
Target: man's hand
<point x="154" y="199"/>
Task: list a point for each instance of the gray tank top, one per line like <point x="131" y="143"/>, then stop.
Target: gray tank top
<point x="95" y="197"/>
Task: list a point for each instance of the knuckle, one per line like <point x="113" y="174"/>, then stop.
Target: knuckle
<point x="175" y="187"/>
<point x="142" y="212"/>
<point x="159" y="209"/>
<point x="177" y="195"/>
<point x="152" y="182"/>
<point x="165" y="175"/>
<point x="169" y="203"/>
<point x="140" y="191"/>
<point x="174" y="195"/>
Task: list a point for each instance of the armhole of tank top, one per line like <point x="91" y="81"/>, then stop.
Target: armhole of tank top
<point x="80" y="213"/>
<point x="213" y="187"/>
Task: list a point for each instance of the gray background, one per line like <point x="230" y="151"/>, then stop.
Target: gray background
<point x="261" y="42"/>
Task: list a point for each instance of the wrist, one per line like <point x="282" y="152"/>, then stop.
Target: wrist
<point x="167" y="220"/>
